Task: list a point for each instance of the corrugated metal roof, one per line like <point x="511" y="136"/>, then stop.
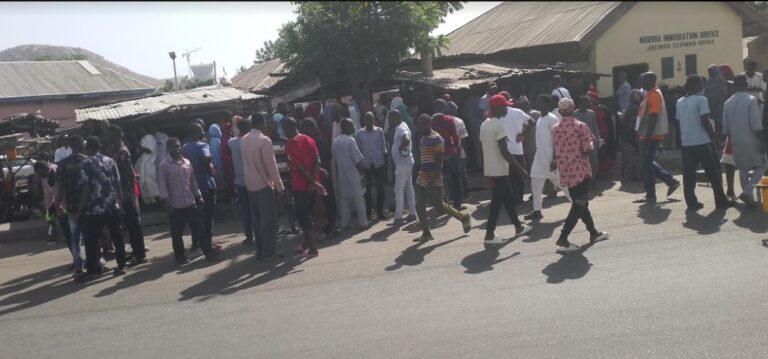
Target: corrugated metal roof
<point x="260" y="77"/>
<point x="464" y="76"/>
<point x="513" y="25"/>
<point x="161" y="103"/>
<point x="29" y="79"/>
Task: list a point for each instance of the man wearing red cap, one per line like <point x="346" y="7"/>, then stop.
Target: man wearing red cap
<point x="497" y="161"/>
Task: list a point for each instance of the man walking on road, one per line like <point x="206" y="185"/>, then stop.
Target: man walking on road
<point x="262" y="179"/>
<point x="541" y="169"/>
<point x="743" y="123"/>
<point x="573" y="141"/>
<point x="697" y="136"/>
<point x="429" y="184"/>
<point x="652" y="127"/>
<point x="304" y="159"/>
<point x="496" y="166"/>
<point x="403" y="160"/>
<point x="178" y="189"/>
<point x="100" y="196"/>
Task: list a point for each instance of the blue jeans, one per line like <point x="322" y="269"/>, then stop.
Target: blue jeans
<point x="74" y="243"/>
<point x="651" y="169"/>
<point x="245" y="211"/>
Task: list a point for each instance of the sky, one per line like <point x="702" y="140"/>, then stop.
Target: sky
<point x="140" y="35"/>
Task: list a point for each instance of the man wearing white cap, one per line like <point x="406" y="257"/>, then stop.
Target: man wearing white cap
<point x="573" y="141"/>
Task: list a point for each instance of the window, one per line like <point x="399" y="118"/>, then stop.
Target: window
<point x="667" y="67"/>
<point x="690" y="65"/>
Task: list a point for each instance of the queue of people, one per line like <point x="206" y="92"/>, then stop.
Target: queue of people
<point x="300" y="158"/>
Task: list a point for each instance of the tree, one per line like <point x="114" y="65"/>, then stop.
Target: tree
<point x="266" y="53"/>
<point x="357" y="41"/>
<point x="240" y="70"/>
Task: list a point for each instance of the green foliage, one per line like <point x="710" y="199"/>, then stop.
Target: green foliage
<point x="358" y="40"/>
<point x="186" y="84"/>
<point x="241" y="70"/>
<point x="167" y="87"/>
<point x="266" y="53"/>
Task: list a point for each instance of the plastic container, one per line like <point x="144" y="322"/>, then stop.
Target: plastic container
<point x="764" y="193"/>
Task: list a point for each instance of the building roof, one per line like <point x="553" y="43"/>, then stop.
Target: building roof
<point x="517" y="25"/>
<point x="467" y="75"/>
<point x="513" y="25"/>
<point x="260" y="77"/>
<point x="167" y="102"/>
<point x="33" y="80"/>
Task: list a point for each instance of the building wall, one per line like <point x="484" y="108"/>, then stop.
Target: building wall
<point x="639" y="37"/>
<point x="62" y="111"/>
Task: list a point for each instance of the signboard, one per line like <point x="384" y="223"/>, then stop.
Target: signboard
<point x="678" y="40"/>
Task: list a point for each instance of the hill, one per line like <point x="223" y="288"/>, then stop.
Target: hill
<point x="37" y="52"/>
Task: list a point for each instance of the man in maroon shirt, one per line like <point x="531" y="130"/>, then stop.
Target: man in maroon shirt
<point x="304" y="160"/>
<point x="445" y="126"/>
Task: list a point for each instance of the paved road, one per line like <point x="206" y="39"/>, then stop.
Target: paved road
<point x="666" y="285"/>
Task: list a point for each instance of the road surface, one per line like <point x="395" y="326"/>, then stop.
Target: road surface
<point x="667" y="284"/>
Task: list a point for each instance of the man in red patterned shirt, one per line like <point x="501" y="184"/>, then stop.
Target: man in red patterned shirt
<point x="573" y="141"/>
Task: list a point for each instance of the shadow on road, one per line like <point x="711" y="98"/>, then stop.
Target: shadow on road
<point x="752" y="219"/>
<point x="655" y="213"/>
<point x="239" y="275"/>
<point x="29" y="248"/>
<point x="415" y="254"/>
<point x="484" y="260"/>
<point x="705" y="225"/>
<point x="58" y="284"/>
<point x="573" y="265"/>
<point x="543" y="231"/>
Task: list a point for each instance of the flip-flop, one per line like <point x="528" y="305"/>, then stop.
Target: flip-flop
<point x="571" y="248"/>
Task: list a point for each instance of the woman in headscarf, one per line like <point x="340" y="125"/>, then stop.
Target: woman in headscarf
<point x="398" y="104"/>
<point x="630" y="154"/>
<point x="716" y="91"/>
<point x="313" y="111"/>
<point x="214" y="143"/>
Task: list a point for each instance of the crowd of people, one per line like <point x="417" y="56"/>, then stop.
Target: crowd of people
<point x="327" y="162"/>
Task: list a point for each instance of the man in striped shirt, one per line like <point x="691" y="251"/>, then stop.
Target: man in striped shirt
<point x="429" y="184"/>
<point x="179" y="191"/>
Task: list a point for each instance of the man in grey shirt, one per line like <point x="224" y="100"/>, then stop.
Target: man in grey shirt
<point x="370" y="139"/>
<point x="743" y="123"/>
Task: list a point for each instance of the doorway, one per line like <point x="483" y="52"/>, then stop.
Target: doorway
<point x="633" y="74"/>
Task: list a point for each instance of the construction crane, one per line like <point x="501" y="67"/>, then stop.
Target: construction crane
<point x="189" y="63"/>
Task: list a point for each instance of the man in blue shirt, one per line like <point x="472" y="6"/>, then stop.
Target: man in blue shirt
<point x="199" y="155"/>
<point x="697" y="135"/>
